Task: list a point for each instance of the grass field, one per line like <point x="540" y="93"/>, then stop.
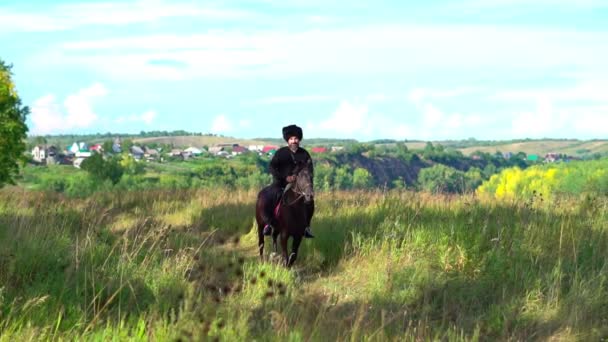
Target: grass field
<point x="542" y="147"/>
<point x="182" y="265"/>
<point x="539" y="147"/>
<point x="197" y="141"/>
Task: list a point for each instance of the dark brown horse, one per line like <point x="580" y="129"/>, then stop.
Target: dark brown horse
<point x="291" y="217"/>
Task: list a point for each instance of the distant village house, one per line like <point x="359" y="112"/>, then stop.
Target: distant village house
<point x="552" y="157"/>
<point x="255" y="148"/>
<point x="194" y="151"/>
<point x="39" y="154"/>
<point x="237" y="150"/>
<point x="80" y="150"/>
<point x="215" y="149"/>
<point x="176" y="152"/>
<point x="151" y="154"/>
<point x="96" y="148"/>
<point x="269" y="149"/>
<point x="137" y="152"/>
<point x="45" y="155"/>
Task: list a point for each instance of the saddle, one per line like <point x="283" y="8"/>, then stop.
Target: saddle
<point x="277" y="208"/>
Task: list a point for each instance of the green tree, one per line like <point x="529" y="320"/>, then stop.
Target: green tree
<point x="362" y="179"/>
<point x="40" y="140"/>
<point x="130" y="165"/>
<point x="12" y="127"/>
<point x="107" y="146"/>
<point x="440" y="178"/>
<point x="402" y="147"/>
<point x="103" y="169"/>
<point x="343" y="179"/>
<point x="355" y="149"/>
<point x="489" y="170"/>
<point x="473" y="179"/>
<point x="324" y="177"/>
<point x="126" y="145"/>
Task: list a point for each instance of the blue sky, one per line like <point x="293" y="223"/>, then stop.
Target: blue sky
<point x="432" y="70"/>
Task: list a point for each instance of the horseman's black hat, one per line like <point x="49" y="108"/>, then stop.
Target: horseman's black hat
<point x="292" y="131"/>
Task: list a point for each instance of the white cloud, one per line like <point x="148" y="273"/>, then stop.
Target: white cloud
<point x="318" y="19"/>
<point x="48" y="116"/>
<point x="70" y="16"/>
<point x="432" y="116"/>
<point x="435" y="123"/>
<point x="221" y="124"/>
<point x="78" y="106"/>
<point x="524" y="4"/>
<point x="294" y="99"/>
<point x="590" y="121"/>
<point x="377" y="97"/>
<point x="384" y="127"/>
<point x="348" y="118"/>
<point x="578" y="110"/>
<point x="147" y="117"/>
<point x="537" y="123"/>
<point x="25" y="22"/>
<point x="547" y="119"/>
<point x="420" y="95"/>
<point x="588" y="90"/>
<point x="364" y="50"/>
<point x="353" y="120"/>
<point x="245" y="123"/>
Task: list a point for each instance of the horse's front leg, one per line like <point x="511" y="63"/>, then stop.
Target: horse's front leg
<point x="274" y="242"/>
<point x="284" y="238"/>
<point x="294" y="250"/>
<point x="261" y="243"/>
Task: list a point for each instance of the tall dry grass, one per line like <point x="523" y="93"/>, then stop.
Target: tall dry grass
<point x="167" y="265"/>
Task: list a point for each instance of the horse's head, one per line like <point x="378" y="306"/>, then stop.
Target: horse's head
<point x="303" y="184"/>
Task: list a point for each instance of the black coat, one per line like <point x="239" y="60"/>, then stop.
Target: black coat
<point x="284" y="162"/>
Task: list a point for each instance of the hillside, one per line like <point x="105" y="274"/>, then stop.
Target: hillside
<point x="197" y="141"/>
<point x="542" y="147"/>
<point x="384" y="169"/>
<point x="571" y="147"/>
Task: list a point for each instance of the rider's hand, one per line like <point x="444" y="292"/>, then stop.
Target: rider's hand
<point x="290" y="179"/>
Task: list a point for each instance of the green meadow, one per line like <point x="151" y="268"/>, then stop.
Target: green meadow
<point x="181" y="265"/>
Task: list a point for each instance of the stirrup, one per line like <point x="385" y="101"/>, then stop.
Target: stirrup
<point x="308" y="233"/>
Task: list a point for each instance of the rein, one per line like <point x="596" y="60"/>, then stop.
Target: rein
<point x="297" y="198"/>
<point x="294" y="188"/>
<point x="299" y="193"/>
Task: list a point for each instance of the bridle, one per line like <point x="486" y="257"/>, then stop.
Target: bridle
<point x="297" y="191"/>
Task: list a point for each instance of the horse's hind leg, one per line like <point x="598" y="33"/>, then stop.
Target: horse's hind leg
<point x="259" y="218"/>
<point x="284" y="238"/>
<point x="294" y="250"/>
<point x="261" y="242"/>
<point x="274" y="242"/>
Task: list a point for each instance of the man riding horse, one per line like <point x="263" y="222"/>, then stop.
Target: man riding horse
<point x="282" y="167"/>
